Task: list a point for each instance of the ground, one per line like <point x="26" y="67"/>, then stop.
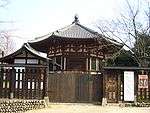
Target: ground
<point x="89" y="108"/>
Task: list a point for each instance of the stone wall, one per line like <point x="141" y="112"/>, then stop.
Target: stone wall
<point x="15" y="106"/>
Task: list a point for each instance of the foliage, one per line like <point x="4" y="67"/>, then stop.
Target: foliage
<point x="125" y="59"/>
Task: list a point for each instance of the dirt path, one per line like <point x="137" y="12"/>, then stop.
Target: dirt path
<point x="89" y="108"/>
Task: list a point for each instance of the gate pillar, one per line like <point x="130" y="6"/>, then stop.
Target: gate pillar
<point x="46" y="98"/>
<point x="104" y="99"/>
<point x="12" y="81"/>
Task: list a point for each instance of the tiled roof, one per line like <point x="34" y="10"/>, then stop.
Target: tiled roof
<point x="76" y="30"/>
<point x="29" y="48"/>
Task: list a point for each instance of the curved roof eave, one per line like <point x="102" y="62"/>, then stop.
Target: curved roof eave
<point x="74" y="31"/>
<point x="37" y="53"/>
<point x="41" y="38"/>
<point x="67" y="32"/>
<point x="27" y="47"/>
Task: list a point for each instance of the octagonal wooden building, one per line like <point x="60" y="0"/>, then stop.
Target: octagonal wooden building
<point x="76" y="47"/>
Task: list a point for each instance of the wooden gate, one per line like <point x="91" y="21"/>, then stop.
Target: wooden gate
<point x="83" y="88"/>
<point x="97" y="88"/>
<point x="61" y="88"/>
<point x="22" y="82"/>
<point x="74" y="87"/>
<point x="112" y="87"/>
<point x="29" y="83"/>
<point x="5" y="82"/>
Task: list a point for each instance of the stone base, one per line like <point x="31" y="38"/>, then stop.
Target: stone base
<point x="19" y="106"/>
<point x="46" y="100"/>
<point x="104" y="101"/>
<point x="121" y="104"/>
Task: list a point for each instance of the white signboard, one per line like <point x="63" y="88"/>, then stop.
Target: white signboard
<point x="128" y="86"/>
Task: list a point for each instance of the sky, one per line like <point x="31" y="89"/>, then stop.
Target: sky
<point x="28" y="19"/>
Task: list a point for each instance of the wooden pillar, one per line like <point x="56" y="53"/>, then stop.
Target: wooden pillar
<point x="135" y="86"/>
<point x="87" y="62"/>
<point x="64" y="63"/>
<point x="90" y="63"/>
<point x="97" y="64"/>
<point x="122" y="85"/>
<point x="119" y="86"/>
<point x="45" y="83"/>
<point x="54" y="62"/>
<point x="61" y="63"/>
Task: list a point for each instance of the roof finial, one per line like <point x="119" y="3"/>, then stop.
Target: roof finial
<point x="76" y="19"/>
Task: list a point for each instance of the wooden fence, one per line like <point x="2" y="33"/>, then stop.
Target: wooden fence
<point x="75" y="87"/>
<point x="22" y="82"/>
<point x="114" y="82"/>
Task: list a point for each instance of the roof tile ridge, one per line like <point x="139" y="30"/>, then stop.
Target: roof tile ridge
<point x="41" y="37"/>
<point x="88" y="29"/>
<point x="111" y="39"/>
<point x="63" y="28"/>
<point x="50" y="33"/>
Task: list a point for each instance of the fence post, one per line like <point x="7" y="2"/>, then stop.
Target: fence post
<point x="104" y="99"/>
<point x="12" y="75"/>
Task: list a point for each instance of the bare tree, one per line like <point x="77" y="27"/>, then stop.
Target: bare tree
<point x="3" y="3"/>
<point x="132" y="29"/>
<point x="6" y="44"/>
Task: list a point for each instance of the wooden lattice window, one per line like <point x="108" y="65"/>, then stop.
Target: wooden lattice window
<point x="19" y="77"/>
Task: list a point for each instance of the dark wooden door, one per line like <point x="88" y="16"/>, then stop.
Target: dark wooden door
<point x="97" y="88"/>
<point x="112" y="88"/>
<point x="82" y="88"/>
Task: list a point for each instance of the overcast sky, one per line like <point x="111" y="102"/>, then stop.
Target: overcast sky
<point x="32" y="18"/>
